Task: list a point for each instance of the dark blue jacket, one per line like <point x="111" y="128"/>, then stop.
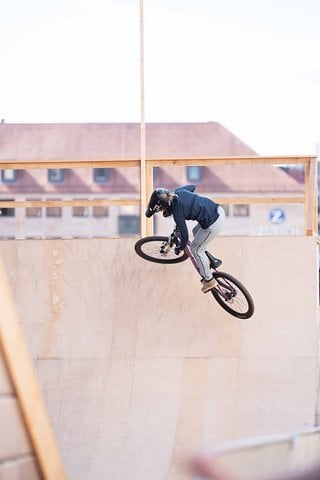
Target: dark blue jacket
<point x="190" y="206"/>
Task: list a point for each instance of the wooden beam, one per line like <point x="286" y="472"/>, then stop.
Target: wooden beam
<point x="21" y="373"/>
<point x="149" y="189"/>
<point x="233" y="160"/>
<point x="135" y="162"/>
<point x="143" y="223"/>
<point x="136" y="201"/>
<point x="69" y="203"/>
<point x="47" y="164"/>
<point x="311" y="182"/>
<point x="315" y="210"/>
<point x="256" y="200"/>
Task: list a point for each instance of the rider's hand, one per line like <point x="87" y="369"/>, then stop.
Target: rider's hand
<point x="177" y="250"/>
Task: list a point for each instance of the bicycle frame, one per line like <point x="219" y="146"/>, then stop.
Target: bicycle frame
<point x="224" y="294"/>
<point x="175" y="237"/>
<point x="191" y="256"/>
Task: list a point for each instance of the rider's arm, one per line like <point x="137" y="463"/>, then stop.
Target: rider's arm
<point x="183" y="229"/>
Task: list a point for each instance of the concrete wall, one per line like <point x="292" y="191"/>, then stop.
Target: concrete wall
<point x="137" y="366"/>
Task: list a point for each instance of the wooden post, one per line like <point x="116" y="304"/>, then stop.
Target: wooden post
<point x="311" y="192"/>
<point x="143" y="195"/>
<point x="315" y="215"/>
<point x="149" y="188"/>
<point x="21" y="373"/>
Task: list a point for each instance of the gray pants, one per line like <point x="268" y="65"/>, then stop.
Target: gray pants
<point x="200" y="241"/>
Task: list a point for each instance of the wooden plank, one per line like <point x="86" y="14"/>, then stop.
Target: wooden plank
<point x="24" y="468"/>
<point x="235" y="160"/>
<point x="149" y="189"/>
<point x="67" y="163"/>
<point x="21" y="373"/>
<point x="257" y="200"/>
<point x="311" y="192"/>
<point x="69" y="203"/>
<point x="143" y="195"/>
<point x="5" y="382"/>
<point x="135" y="162"/>
<point x="315" y="210"/>
<point x="307" y="196"/>
<point x="136" y="201"/>
<point x="143" y="181"/>
<point x="15" y="441"/>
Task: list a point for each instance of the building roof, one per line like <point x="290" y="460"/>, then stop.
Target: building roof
<point x="92" y="141"/>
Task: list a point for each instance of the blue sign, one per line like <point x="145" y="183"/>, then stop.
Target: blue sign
<point x="277" y="216"/>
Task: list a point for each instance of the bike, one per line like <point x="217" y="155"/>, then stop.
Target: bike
<point x="229" y="292"/>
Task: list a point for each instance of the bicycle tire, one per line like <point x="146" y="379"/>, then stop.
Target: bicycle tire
<point x="240" y="304"/>
<point x="148" y="248"/>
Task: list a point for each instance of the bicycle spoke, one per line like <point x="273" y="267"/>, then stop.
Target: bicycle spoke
<point x="157" y="249"/>
<point x="237" y="302"/>
<point x="233" y="296"/>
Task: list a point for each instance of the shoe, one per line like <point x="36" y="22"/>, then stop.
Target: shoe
<point x="208" y="285"/>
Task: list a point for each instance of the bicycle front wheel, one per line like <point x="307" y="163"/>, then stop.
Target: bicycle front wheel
<point x="158" y="250"/>
<point x="232" y="296"/>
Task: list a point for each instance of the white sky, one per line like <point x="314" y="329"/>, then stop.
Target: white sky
<point x="251" y="65"/>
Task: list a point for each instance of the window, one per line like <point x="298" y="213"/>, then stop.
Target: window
<point x="128" y="224"/>
<point x="102" y="211"/>
<point x="33" y="212"/>
<point x="80" y="211"/>
<point x="156" y="171"/>
<point x="54" y="211"/>
<point x="9" y="175"/>
<point x="226" y="209"/>
<point x="101" y="175"/>
<point x="194" y="174"/>
<point x="7" y="212"/>
<point x="241" y="210"/>
<point x="55" y="175"/>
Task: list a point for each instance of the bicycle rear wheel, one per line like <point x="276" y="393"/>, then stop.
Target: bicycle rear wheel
<point x="157" y="249"/>
<point x="232" y="296"/>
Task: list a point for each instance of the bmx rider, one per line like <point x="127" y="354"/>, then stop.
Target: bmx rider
<point x="184" y="205"/>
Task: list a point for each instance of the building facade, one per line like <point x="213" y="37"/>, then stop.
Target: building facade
<point x="48" y="142"/>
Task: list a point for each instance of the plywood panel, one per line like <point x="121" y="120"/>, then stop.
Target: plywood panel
<point x="124" y="348"/>
<point x="14" y="440"/>
<point x="5" y="382"/>
<point x="20" y="469"/>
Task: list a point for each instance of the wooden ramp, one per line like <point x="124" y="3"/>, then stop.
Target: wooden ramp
<point x="138" y="367"/>
<point x="28" y="449"/>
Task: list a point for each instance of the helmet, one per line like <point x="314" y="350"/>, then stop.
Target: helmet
<point x="159" y="201"/>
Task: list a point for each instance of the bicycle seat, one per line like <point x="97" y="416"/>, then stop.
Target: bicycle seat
<point x="214" y="262"/>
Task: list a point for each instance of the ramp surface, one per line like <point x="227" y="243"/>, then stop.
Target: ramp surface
<point x="137" y="366"/>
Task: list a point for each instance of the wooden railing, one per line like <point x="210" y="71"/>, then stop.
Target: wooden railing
<point x="309" y="197"/>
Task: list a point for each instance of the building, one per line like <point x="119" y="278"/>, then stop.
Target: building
<point x="48" y="142"/>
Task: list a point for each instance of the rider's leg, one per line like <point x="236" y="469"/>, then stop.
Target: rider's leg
<point x="199" y="246"/>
